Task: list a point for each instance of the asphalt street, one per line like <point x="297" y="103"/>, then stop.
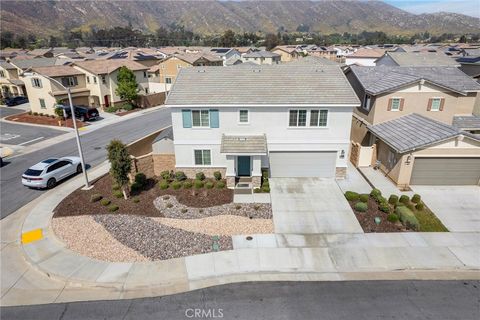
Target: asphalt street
<point x="356" y="300"/>
<point x="23" y="135"/>
<point x="8" y="111"/>
<point x="14" y="195"/>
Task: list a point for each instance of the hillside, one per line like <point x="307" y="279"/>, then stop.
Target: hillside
<point x="207" y="17"/>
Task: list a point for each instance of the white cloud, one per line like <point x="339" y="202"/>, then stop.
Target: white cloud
<point x="468" y="7"/>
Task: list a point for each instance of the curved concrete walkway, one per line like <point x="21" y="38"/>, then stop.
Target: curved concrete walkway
<point x="45" y="271"/>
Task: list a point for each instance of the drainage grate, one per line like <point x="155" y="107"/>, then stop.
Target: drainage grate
<point x="97" y="148"/>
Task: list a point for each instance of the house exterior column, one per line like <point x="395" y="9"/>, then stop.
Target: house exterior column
<point x="230" y="173"/>
<point x="256" y="171"/>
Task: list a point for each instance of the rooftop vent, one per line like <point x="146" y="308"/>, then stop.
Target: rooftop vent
<point x="256" y="70"/>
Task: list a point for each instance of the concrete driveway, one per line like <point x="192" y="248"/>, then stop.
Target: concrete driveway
<point x="310" y="205"/>
<point x="458" y="207"/>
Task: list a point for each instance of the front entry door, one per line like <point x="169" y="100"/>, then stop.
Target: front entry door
<point x="243" y="168"/>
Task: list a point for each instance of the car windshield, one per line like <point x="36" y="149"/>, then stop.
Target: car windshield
<point x="49" y="160"/>
<point x="32" y="172"/>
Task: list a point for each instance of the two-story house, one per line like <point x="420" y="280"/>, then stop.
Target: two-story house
<point x="262" y="57"/>
<point x="45" y="94"/>
<point x="287" y="53"/>
<point x="101" y="79"/>
<point x="292" y="120"/>
<point x="432" y="97"/>
<point x="416" y="59"/>
<point x="10" y="83"/>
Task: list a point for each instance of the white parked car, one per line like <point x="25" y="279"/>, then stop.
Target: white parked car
<point x="47" y="173"/>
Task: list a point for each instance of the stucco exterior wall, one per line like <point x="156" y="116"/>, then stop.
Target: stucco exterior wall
<point x="35" y="94"/>
<point x="369" y="62"/>
<point x="169" y="68"/>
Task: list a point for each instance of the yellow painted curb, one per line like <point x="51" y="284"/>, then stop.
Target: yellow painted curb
<point x="82" y="128"/>
<point x="32" y="236"/>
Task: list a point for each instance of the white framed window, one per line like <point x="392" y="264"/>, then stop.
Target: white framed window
<point x="395" y="104"/>
<point x="95" y="80"/>
<point x="200" y="118"/>
<point x="436" y="104"/>
<point x="104" y="79"/>
<point x="36" y="83"/>
<point x="69" y="81"/>
<point x="297" y="118"/>
<point x="202" y="157"/>
<point x="318" y="118"/>
<point x="144" y="74"/>
<point x="88" y="79"/>
<point x="367" y="102"/>
<point x="42" y="104"/>
<point x="168" y="80"/>
<point x="2" y="74"/>
<point x="243" y="116"/>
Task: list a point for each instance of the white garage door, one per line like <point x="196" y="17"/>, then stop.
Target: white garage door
<point x="291" y="164"/>
<point x="445" y="171"/>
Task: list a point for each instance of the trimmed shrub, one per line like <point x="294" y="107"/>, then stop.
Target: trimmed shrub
<point x="416" y="198"/>
<point x="361" y="206"/>
<point x="187" y="185"/>
<point x="116" y="187"/>
<point x="420" y="206"/>
<point x="41" y="114"/>
<point x="30" y="112"/>
<point x="351" y="196"/>
<point x="165" y="175"/>
<point x="257" y="190"/>
<point x="112" y="208"/>
<point x="217" y="175"/>
<point x="364" y="197"/>
<point x="384" y="207"/>
<point x="411" y="206"/>
<point x="141" y="179"/>
<point x="180" y="176"/>
<point x="407" y="217"/>
<point x="163" y="184"/>
<point x="135" y="187"/>
<point x="375" y="193"/>
<point x="209" y="185"/>
<point x="95" y="197"/>
<point x="393" y="199"/>
<point x="404" y="199"/>
<point x="198" y="184"/>
<point x="104" y="202"/>
<point x="200" y="176"/>
<point x="399" y="204"/>
<point x="265" y="188"/>
<point x="221" y="185"/>
<point x="238" y="207"/>
<point x="35" y="113"/>
<point x="136" y="200"/>
<point x="176" y="185"/>
<point x="184" y="210"/>
<point x="392" y="217"/>
<point x="118" y="194"/>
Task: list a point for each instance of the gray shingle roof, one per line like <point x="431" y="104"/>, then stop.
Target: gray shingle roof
<point x="165" y="134"/>
<point x="412" y="132"/>
<point x="244" y="144"/>
<point x="265" y="84"/>
<point x="410" y="59"/>
<point x="312" y="60"/>
<point x="261" y="54"/>
<point x="466" y="122"/>
<point x="377" y="80"/>
<point x="32" y="63"/>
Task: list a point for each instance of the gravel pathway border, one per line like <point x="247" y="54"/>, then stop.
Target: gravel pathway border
<point x="171" y="208"/>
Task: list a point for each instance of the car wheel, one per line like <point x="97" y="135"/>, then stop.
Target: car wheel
<point x="79" y="168"/>
<point x="51" y="183"/>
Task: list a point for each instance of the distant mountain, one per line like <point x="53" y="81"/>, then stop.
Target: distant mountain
<point x="209" y="17"/>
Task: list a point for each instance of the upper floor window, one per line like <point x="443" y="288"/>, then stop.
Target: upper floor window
<point x="104" y="79"/>
<point x="435" y="104"/>
<point x="2" y="74"/>
<point x="318" y="118"/>
<point x="36" y="83"/>
<point x="243" y="116"/>
<point x="95" y="80"/>
<point x="88" y="79"/>
<point x="395" y="104"/>
<point x="168" y="80"/>
<point x="200" y="118"/>
<point x="367" y="103"/>
<point x="69" y="81"/>
<point x="144" y="74"/>
<point x="297" y="118"/>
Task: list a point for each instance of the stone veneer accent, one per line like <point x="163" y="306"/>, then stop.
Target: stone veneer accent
<point x="340" y="172"/>
<point x="191" y="172"/>
<point x="162" y="162"/>
<point x="230" y="182"/>
<point x="256" y="181"/>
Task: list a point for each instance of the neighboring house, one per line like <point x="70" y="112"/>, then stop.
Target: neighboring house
<point x="262" y="57"/>
<point x="323" y="52"/>
<point x="471" y="66"/>
<point x="364" y="57"/>
<point x="101" y="79"/>
<point x="170" y="67"/>
<point x="416" y="59"/>
<point x="226" y="54"/>
<point x="417" y="150"/>
<point x="243" y="119"/>
<point x="315" y="61"/>
<point x="10" y="83"/>
<point x="45" y="94"/>
<point x="163" y="152"/>
<point x="287" y="53"/>
<point x="41" y="53"/>
<point x="387" y="93"/>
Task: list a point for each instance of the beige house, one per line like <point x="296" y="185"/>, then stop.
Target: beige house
<point x="416" y="59"/>
<point x="287" y="53"/>
<point x="416" y="150"/>
<point x="45" y="94"/>
<point x="101" y="79"/>
<point x="440" y="93"/>
<point x="262" y="57"/>
<point x="10" y="82"/>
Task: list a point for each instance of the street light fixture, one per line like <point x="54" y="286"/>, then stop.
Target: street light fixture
<point x="77" y="136"/>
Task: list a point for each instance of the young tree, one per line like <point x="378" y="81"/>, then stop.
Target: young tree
<point x="271" y="41"/>
<point x="127" y="88"/>
<point x="120" y="164"/>
<point x="228" y="39"/>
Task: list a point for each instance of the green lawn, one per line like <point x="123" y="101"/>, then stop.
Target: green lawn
<point x="428" y="221"/>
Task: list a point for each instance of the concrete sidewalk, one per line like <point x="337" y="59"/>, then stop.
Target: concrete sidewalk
<point x="378" y="179"/>
<point x="45" y="271"/>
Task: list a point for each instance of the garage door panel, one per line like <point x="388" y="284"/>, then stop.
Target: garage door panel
<point x="445" y="171"/>
<point x="302" y="164"/>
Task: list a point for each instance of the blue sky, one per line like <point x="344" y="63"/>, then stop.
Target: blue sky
<point x="468" y="7"/>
